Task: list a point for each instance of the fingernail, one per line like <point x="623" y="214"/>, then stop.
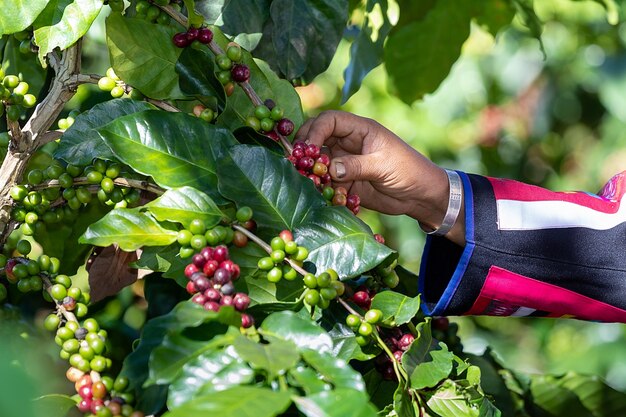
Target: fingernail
<point x="340" y="169"/>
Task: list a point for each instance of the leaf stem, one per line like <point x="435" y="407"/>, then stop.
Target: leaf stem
<point x="400" y="373"/>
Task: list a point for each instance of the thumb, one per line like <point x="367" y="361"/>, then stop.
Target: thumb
<point x="354" y="168"/>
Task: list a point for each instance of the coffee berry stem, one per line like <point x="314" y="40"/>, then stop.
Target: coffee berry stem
<point x="348" y="308"/>
<point x="400" y="373"/>
<point x="412" y="328"/>
<point x="268" y="248"/>
<point x="69" y="316"/>
<point x="124" y="182"/>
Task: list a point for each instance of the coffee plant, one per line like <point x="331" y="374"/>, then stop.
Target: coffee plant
<point x="266" y="294"/>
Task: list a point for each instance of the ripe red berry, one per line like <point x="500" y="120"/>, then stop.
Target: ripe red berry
<point x="84" y="406"/>
<point x="440" y="323"/>
<point x="379" y="238"/>
<point x="285" y="127"/>
<point x="362" y="299"/>
<point x="325" y="179"/>
<point x="212" y="295"/>
<point x="211" y="306"/>
<point x="96" y="405"/>
<point x="405" y="341"/>
<point x="389" y="374"/>
<point x="227" y="300"/>
<point x="311" y="150"/>
<point x="239" y="239"/>
<point x="192" y="34"/>
<point x="299" y="145"/>
<point x="305" y="163"/>
<point x="190" y="270"/>
<point x="202" y="283"/>
<point x="298" y="153"/>
<point x="191" y="288"/>
<point x="181" y="40"/>
<point x="198" y="260"/>
<point x="199" y="298"/>
<point x="8" y="269"/>
<point x="220" y="253"/>
<point x="323" y="159"/>
<point x="205" y="35"/>
<point x="207" y="253"/>
<point x="85" y="392"/>
<point x="247" y="321"/>
<point x="273" y="135"/>
<point x="210" y="267"/>
<point x="398" y="355"/>
<point x="241" y="301"/>
<point x="221" y="276"/>
<point x="250" y="225"/>
<point x="241" y="73"/>
<point x="353" y="201"/>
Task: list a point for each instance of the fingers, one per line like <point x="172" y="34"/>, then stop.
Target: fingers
<point x="330" y="126"/>
<point x="349" y="168"/>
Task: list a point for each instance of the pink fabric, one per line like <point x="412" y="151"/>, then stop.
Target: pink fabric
<point x="607" y="200"/>
<point x="504" y="292"/>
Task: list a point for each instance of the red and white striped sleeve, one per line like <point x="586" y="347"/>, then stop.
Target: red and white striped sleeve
<point x="531" y="252"/>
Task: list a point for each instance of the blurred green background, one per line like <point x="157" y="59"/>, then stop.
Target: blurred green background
<point x="506" y="110"/>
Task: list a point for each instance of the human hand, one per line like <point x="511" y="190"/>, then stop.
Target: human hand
<point x="388" y="175"/>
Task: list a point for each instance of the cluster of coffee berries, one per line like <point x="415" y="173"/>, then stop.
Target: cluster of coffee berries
<point x="184" y="39"/>
<point x="67" y="122"/>
<point x="196" y="236"/>
<point x="112" y="83"/>
<point x="33" y="206"/>
<point x="398" y="342"/>
<point x="274" y="265"/>
<point x="364" y="327"/>
<point x="322" y="289"/>
<point x="211" y="274"/>
<point x="14" y="96"/>
<point x="151" y="12"/>
<point x="204" y="113"/>
<point x="310" y="162"/>
<point x="103" y="396"/>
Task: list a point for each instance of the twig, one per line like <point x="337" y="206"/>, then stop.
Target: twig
<point x="50" y="136"/>
<point x="124" y="182"/>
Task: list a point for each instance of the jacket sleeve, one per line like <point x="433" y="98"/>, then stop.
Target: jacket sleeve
<point x="531" y="252"/>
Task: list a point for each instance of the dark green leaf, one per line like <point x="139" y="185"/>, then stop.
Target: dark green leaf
<point x="265" y="294"/>
<point x="209" y="372"/>
<point x="279" y="196"/>
<point x="402" y="403"/>
<point x="345" y="345"/>
<point x="595" y="394"/>
<point x="162" y="295"/>
<point x="336" y="403"/>
<point x="449" y="401"/>
<point x="304" y="333"/>
<point x="176" y="149"/>
<point x="164" y="259"/>
<point x="129" y="229"/>
<point x="143" y="56"/>
<point x="365" y="53"/>
<point x="425" y="362"/>
<point x="247" y="259"/>
<point x="53" y="405"/>
<point x="195" y="68"/>
<point x="493" y="15"/>
<point x="248" y="136"/>
<point x="274" y="358"/>
<point x="306" y="34"/>
<point x="379" y="390"/>
<point x="235" y="16"/>
<point x="420" y="69"/>
<point x="190" y="314"/>
<point x="338" y="239"/>
<point x="76" y="20"/>
<point x="397" y="308"/>
<point x="177" y="349"/>
<point x="18" y="15"/>
<point x="182" y="205"/>
<point x="334" y="370"/>
<point x="236" y="402"/>
<point x="81" y="143"/>
<point x="412" y="11"/>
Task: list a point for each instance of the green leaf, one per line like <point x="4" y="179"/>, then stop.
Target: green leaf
<point x="344" y="341"/>
<point x="163" y="259"/>
<point x="380" y="391"/>
<point x="81" y="143"/>
<point x="275" y="357"/>
<point x="365" y="53"/>
<point x="194" y="18"/>
<point x="142" y="55"/>
<point x="53" y="405"/>
<point x="178" y="348"/>
<point x="279" y="196"/>
<point x="176" y="149"/>
<point x="397" y="308"/>
<point x="420" y="69"/>
<point x="493" y="15"/>
<point x="302" y="332"/>
<point x="336" y="403"/>
<point x="235" y="16"/>
<point x="425" y="362"/>
<point x="236" y="402"/>
<point x="307" y="379"/>
<point x="305" y="34"/>
<point x="208" y="373"/>
<point x="247" y="259"/>
<point x="594" y="394"/>
<point x="402" y="403"/>
<point x="334" y="370"/>
<point x="190" y="314"/>
<point x="338" y="239"/>
<point x="18" y="15"/>
<point x="129" y="229"/>
<point x="76" y="19"/>
<point x="449" y="401"/>
<point x="195" y="68"/>
<point x="182" y="205"/>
